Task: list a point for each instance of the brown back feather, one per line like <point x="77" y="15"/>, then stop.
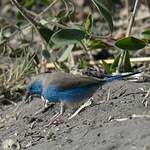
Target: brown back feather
<point x="65" y="80"/>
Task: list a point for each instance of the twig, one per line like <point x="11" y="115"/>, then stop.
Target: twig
<point x="90" y="54"/>
<point x="108" y="95"/>
<point x="66" y="7"/>
<point x="144" y="99"/>
<point x="132" y="116"/>
<point x="133" y="60"/>
<point x="138" y="18"/>
<point x="27" y="15"/>
<point x="47" y="8"/>
<point x="132" y="18"/>
<point x="43" y="109"/>
<point x="127" y="6"/>
<point x="86" y="50"/>
<point x="86" y="104"/>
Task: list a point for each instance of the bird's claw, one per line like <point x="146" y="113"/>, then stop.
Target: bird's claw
<point x="55" y="120"/>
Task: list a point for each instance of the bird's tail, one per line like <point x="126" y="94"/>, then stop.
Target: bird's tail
<point x="120" y="76"/>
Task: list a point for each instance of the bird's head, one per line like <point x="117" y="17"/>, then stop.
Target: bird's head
<point x="34" y="89"/>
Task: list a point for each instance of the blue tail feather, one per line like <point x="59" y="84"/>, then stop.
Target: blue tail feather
<point x="116" y="77"/>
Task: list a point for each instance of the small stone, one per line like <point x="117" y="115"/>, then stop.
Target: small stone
<point x="98" y="134"/>
<point x="11" y="144"/>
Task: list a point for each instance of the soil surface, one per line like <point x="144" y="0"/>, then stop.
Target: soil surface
<point x="121" y="122"/>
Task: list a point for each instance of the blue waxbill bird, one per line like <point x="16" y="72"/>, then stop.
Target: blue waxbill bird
<point x="66" y="88"/>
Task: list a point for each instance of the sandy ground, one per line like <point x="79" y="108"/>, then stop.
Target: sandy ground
<point x="104" y="125"/>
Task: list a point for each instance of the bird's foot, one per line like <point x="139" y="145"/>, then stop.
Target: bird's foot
<point x="55" y="120"/>
<point x="43" y="110"/>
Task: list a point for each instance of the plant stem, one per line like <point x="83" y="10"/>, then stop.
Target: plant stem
<point x="47" y="8"/>
<point x="128" y="32"/>
<point x="132" y="17"/>
<point x="31" y="18"/>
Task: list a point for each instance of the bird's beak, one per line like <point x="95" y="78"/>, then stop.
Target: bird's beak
<point x="28" y="97"/>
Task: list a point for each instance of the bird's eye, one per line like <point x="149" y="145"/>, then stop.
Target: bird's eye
<point x="31" y="88"/>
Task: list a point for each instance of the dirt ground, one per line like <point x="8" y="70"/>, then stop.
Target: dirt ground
<point x="107" y="124"/>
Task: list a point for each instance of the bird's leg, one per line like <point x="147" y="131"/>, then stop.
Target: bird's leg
<point x="46" y="106"/>
<point x="62" y="109"/>
<point x="45" y="102"/>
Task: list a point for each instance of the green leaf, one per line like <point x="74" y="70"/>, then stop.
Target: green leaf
<point x="126" y="62"/>
<point x="104" y="7"/>
<point x="106" y="67"/>
<point x="46" y="33"/>
<point x="114" y="65"/>
<point x="67" y="36"/>
<point x="130" y="43"/>
<point x="89" y="23"/>
<point x="46" y="2"/>
<point x="66" y="54"/>
<point x="146" y="34"/>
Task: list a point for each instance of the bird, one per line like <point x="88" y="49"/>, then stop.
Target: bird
<point x="64" y="88"/>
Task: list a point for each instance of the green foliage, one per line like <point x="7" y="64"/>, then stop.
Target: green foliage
<point x="46" y="33"/>
<point x="126" y="44"/>
<point x="89" y="23"/>
<point x="104" y="7"/>
<point x="31" y="3"/>
<point x="126" y="62"/>
<point x="130" y="43"/>
<point x="106" y="67"/>
<point x="113" y="67"/>
<point x="28" y="4"/>
<point x="146" y="34"/>
<point x="82" y="63"/>
<point x="67" y="36"/>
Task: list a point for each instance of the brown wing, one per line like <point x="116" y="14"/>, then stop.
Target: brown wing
<point x="66" y="80"/>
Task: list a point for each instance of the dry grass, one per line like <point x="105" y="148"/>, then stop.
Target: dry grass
<point x="13" y="79"/>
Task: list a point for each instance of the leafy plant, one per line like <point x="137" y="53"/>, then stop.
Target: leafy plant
<point x="104" y="7"/>
<point x="128" y="44"/>
<point x="65" y="38"/>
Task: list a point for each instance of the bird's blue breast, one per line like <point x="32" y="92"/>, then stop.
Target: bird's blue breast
<point x="54" y="94"/>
